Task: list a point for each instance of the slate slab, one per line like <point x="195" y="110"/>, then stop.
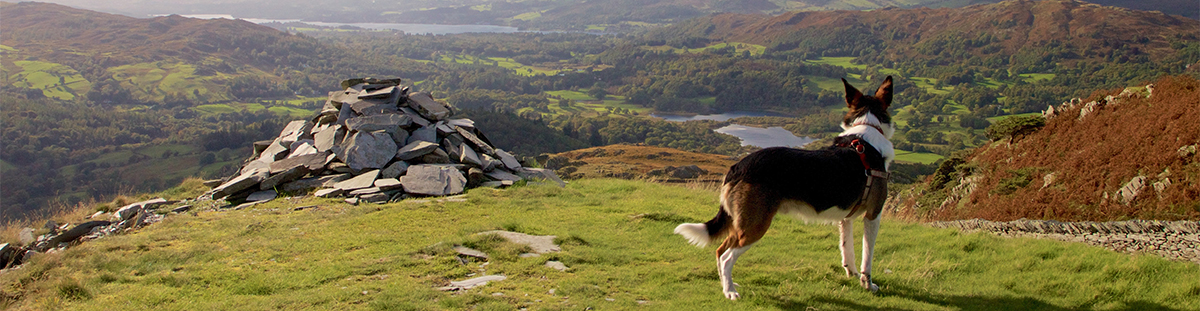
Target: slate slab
<point x="503" y="176"/>
<point x="366" y="150"/>
<point x="472" y="283"/>
<point x="415" y="150"/>
<point x="262" y="196"/>
<point x="394" y="170"/>
<point x="364" y="180"/>
<point x="387" y="183"/>
<point x="483" y="146"/>
<point x="508" y="159"/>
<point x="313" y="183"/>
<point x="429" y="108"/>
<point x="329" y="137"/>
<point x="371" y="123"/>
<point x="540" y="173"/>
<point x="237" y="184"/>
<point x="433" y="180"/>
<point x="275" y="151"/>
<point x="294" y="131"/>
<point x="425" y="133"/>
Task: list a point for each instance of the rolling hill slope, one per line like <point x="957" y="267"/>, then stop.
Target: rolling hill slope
<point x="1115" y="156"/>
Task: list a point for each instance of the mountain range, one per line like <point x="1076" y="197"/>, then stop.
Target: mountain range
<point x="574" y="14"/>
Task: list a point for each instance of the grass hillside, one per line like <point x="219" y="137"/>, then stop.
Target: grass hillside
<point x="617" y="244"/>
<point x="1076" y="167"/>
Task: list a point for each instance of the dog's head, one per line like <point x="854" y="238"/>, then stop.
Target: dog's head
<point x="864" y="105"/>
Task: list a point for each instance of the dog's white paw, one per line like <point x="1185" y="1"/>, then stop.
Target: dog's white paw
<point x="732" y="295"/>
<point x="850" y="271"/>
<point x="865" y="280"/>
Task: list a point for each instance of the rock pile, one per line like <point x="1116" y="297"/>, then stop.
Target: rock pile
<point x="1176" y="240"/>
<point x="373" y="141"/>
<point x="59" y="237"/>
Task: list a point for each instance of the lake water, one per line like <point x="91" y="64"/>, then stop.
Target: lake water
<point x="407" y="28"/>
<point x="750" y="136"/>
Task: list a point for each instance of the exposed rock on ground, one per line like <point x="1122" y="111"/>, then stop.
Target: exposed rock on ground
<point x="1175" y="240"/>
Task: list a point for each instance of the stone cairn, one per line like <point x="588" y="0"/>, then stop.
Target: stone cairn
<point x="375" y="142"/>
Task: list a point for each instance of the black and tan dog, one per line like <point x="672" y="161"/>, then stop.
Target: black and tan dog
<point x="835" y="184"/>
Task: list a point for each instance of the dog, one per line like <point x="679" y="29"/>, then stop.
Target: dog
<point x="834" y="184"/>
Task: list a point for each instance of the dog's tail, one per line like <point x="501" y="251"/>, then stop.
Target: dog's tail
<point x="703" y="234"/>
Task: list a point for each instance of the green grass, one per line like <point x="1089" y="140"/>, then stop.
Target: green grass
<point x="616" y="239"/>
<point x="998" y="118"/>
<point x="916" y="157"/>
<point x="55" y="80"/>
<point x="291" y="111"/>
<point x="528" y="16"/>
<point x="153" y="80"/>
<point x="1035" y="77"/>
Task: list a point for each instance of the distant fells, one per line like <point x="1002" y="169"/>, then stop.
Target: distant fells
<point x="375" y="142"/>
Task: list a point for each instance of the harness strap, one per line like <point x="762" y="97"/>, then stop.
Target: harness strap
<point x="871" y="173"/>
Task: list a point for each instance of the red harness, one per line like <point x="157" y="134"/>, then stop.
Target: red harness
<point x="871" y="173"/>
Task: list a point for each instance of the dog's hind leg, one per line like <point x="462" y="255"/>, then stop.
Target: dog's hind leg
<point x="846" y="245"/>
<point x="725" y="263"/>
<point x="751" y="213"/>
<point x="870" y="231"/>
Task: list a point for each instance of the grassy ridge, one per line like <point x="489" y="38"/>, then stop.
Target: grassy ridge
<point x="616" y="239"/>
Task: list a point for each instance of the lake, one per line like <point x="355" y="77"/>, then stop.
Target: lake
<point x="750" y="136"/>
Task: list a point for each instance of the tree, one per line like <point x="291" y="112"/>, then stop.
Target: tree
<point x="597" y="91"/>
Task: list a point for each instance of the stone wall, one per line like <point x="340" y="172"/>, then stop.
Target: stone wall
<point x="1175" y="240"/>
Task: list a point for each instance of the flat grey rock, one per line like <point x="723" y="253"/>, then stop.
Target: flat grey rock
<point x="329" y="137"/>
<point x="364" y="191"/>
<point x="255" y="165"/>
<point x="310" y="162"/>
<point x="470" y="252"/>
<point x="540" y="244"/>
<point x="314" y="182"/>
<point x="365" y="150"/>
<point x="275" y="151"/>
<point x="364" y="180"/>
<point x="508" y="159"/>
<point x="469" y="157"/>
<point x="370" y="107"/>
<point x="294" y="131"/>
<point x="556" y="265"/>
<point x="433" y="180"/>
<point x="424" y="133"/>
<point x="483" y="146"/>
<point x="387" y="183"/>
<point x="429" y="108"/>
<point x="415" y="150"/>
<point x="438" y="156"/>
<point x="382" y="93"/>
<point x="387" y="122"/>
<point x="378" y="197"/>
<point x="26" y="236"/>
<point x="503" y="176"/>
<point x="472" y="283"/>
<point x="302" y="149"/>
<point x="328" y="192"/>
<point x="262" y="196"/>
<point x="539" y="174"/>
<point x="416" y="117"/>
<point x="394" y="170"/>
<point x="239" y="183"/>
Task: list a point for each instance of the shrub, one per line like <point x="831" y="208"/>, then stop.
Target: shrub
<point x="1014" y="127"/>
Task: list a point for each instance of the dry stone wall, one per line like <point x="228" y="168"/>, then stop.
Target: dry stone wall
<point x="1176" y="240"/>
<point x="373" y="141"/>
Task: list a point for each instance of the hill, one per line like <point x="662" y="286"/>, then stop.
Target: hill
<point x="1120" y="155"/>
<point x="591" y="15"/>
<point x="640" y="162"/>
<point x="616" y="246"/>
<point x="1062" y="29"/>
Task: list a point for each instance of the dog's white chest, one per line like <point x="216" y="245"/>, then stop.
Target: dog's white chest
<point x="806" y="212"/>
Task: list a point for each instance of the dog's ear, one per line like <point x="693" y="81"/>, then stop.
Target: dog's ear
<point x="884" y="93"/>
<point x="852" y="94"/>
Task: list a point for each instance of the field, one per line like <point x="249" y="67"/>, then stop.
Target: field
<point x="55" y="80"/>
<point x="617" y="244"/>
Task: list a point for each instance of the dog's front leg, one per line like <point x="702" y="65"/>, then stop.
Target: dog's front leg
<point x="847" y="246"/>
<point x="870" y="231"/>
